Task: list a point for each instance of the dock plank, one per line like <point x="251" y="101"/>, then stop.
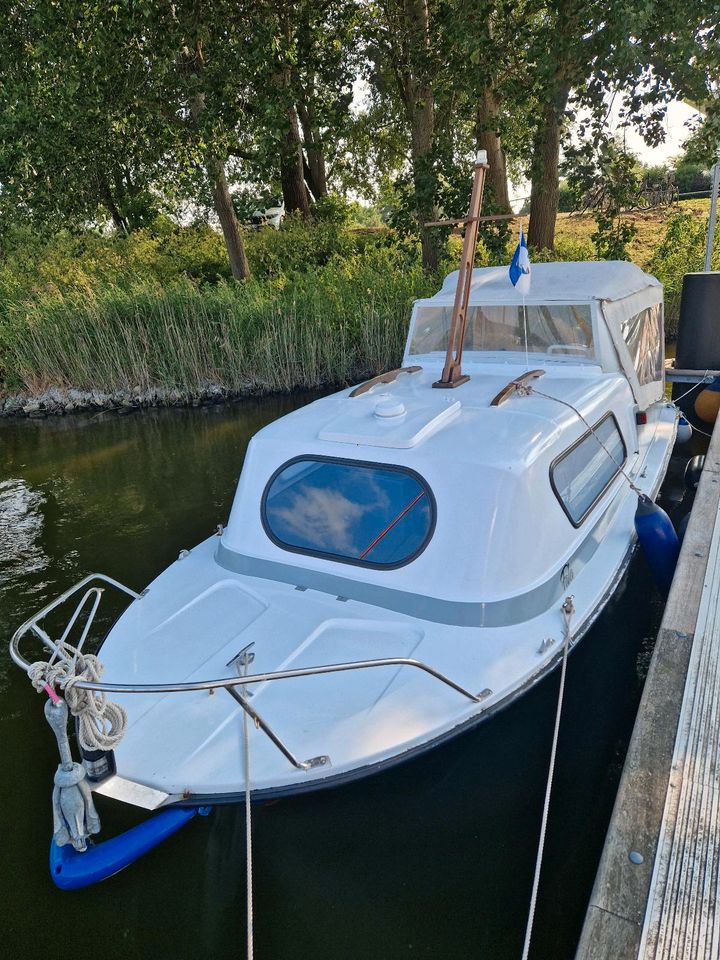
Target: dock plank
<point x="683" y="901"/>
<point x="668" y="800"/>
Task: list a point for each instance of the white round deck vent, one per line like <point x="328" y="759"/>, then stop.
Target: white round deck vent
<point x="387" y="407"/>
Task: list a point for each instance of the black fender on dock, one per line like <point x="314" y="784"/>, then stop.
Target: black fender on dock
<point x="698" y="344"/>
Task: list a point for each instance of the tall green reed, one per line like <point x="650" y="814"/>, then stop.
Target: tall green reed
<point x="330" y="325"/>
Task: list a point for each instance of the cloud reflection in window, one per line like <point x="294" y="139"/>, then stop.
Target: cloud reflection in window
<point x="339" y="509"/>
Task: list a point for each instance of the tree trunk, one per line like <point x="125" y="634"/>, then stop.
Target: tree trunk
<point x="228" y="221"/>
<point x="545" y="189"/>
<point x="424" y="178"/>
<point x="222" y="201"/>
<point x="108" y="201"/>
<point x="314" y="168"/>
<point x="420" y="106"/>
<point x="488" y="139"/>
<point x="292" y="174"/>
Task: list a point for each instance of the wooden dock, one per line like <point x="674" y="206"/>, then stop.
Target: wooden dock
<point x="657" y="891"/>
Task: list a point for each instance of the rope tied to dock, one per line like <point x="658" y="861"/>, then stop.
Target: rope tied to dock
<point x="101" y="722"/>
<point x="568" y="609"/>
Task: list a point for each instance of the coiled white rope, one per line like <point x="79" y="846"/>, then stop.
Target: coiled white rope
<point x="102" y="723"/>
<point x="568" y="610"/>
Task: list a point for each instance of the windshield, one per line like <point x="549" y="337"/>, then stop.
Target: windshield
<point x="555" y="329"/>
<point x="356" y="512"/>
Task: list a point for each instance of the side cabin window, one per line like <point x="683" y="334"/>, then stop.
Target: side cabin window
<point x="580" y="475"/>
<point x="555" y="329"/>
<point x="369" y="514"/>
<point x="643" y="334"/>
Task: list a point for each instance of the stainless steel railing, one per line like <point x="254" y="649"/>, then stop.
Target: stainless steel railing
<point x="226" y="683"/>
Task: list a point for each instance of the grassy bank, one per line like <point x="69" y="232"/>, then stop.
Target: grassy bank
<point x="325" y="305"/>
<point x="332" y="324"/>
<point x="669" y="242"/>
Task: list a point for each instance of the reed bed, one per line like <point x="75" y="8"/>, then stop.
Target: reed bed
<point x="156" y="311"/>
<point x="331" y="325"/>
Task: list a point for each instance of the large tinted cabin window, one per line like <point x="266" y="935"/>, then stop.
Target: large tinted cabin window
<point x="558" y="330"/>
<point x="351" y="511"/>
<point x="581" y="474"/>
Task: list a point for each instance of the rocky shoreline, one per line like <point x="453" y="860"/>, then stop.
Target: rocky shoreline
<point x="59" y="402"/>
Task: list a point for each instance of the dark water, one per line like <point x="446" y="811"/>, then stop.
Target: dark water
<point x="433" y="859"/>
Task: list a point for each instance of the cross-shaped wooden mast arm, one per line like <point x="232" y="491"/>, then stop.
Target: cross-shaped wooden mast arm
<point x="452" y="375"/>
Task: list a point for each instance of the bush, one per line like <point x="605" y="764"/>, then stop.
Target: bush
<point x="692" y="177"/>
<point x="653" y="176"/>
<point x="165" y="253"/>
<point x="566" y="248"/>
<point x="567" y="201"/>
<point x="296" y="247"/>
<point x="681" y="251"/>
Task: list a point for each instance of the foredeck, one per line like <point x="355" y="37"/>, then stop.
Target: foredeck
<point x="668" y="806"/>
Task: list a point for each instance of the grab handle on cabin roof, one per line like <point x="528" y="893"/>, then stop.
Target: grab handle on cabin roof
<point x="508" y="390"/>
<point x="389" y="377"/>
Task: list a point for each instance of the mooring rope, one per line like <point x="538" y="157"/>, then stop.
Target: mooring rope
<point x="568" y="610"/>
<point x="707" y="378"/>
<point x="101" y="722"/>
<point x="248" y="839"/>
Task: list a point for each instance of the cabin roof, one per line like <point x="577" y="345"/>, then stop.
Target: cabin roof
<point x="567" y="282"/>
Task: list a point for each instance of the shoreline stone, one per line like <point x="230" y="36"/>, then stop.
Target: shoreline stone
<point x="56" y="401"/>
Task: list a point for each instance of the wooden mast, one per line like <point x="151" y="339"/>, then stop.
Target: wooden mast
<point x="452" y="375"/>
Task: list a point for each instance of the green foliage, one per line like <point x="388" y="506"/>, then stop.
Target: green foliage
<point x="567" y="201"/>
<point x="612" y="236"/>
<point x="163" y="253"/>
<point x="701" y="147"/>
<point x="681" y="251"/>
<point x="653" y="176"/>
<point x="565" y="248"/>
<point x="364" y="215"/>
<point x="604" y="174"/>
<point x="333" y="209"/>
<point x="296" y="247"/>
<point x="33" y="265"/>
<point x="692" y="177"/>
<point x="331" y="324"/>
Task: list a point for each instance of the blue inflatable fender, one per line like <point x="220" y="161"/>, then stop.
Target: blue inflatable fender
<point x="72" y="870"/>
<point x="658" y="540"/>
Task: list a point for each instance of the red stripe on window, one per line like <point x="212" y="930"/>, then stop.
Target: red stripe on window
<point x="389" y="527"/>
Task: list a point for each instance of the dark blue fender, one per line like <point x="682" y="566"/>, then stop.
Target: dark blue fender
<point x="71" y="870"/>
<point x="658" y="540"/>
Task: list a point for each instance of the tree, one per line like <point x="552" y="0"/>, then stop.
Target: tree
<point x="70" y="151"/>
<point x="586" y="49"/>
<point x="402" y="41"/>
<point x="120" y="104"/>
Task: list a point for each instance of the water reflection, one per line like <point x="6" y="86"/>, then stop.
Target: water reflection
<point x="21" y="523"/>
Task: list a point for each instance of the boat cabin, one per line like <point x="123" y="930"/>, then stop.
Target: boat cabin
<point x="447" y="504"/>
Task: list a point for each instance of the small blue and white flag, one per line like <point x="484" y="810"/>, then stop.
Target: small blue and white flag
<point x="519" y="269"/>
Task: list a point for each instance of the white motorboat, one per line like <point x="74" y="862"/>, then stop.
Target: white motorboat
<point x="398" y="558"/>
